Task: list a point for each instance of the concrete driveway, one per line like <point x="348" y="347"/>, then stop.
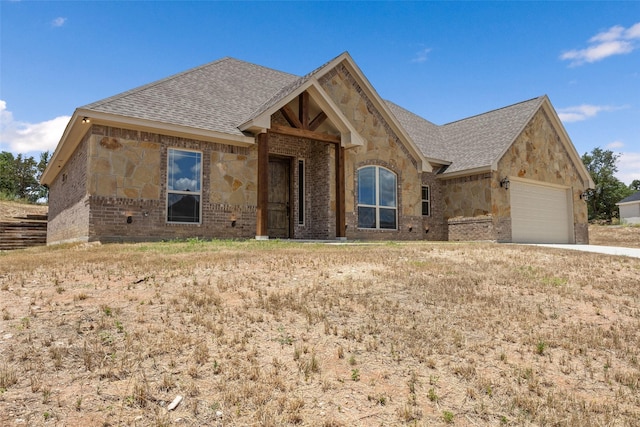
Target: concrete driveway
<point x="609" y="250"/>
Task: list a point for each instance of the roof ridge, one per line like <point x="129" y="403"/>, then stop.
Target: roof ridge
<point x="138" y="89"/>
<point x="538" y="98"/>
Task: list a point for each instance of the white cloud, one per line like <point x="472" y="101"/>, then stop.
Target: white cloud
<point x="23" y="137"/>
<point x="617" y="40"/>
<point x="628" y="167"/>
<point x="582" y="112"/>
<point x="615" y="144"/>
<point x="58" y="22"/>
<point x="421" y="56"/>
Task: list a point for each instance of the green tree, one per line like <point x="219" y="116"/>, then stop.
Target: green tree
<point x="608" y="190"/>
<point x="635" y="185"/>
<point x="20" y="176"/>
<point x="8" y="186"/>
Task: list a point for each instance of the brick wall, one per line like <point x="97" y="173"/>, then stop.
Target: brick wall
<point x="435" y="223"/>
<point x="318" y="221"/>
<point x="68" y="203"/>
<point x="477" y="228"/>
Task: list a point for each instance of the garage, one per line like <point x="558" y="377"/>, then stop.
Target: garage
<point x="540" y="213"/>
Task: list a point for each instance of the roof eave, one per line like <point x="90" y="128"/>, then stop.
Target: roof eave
<point x="76" y="129"/>
<point x="466" y="172"/>
<point x="348" y="134"/>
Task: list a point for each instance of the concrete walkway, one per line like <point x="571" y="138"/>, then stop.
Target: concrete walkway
<point x="609" y="250"/>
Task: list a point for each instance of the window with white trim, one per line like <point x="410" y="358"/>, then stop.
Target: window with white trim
<point x="426" y="201"/>
<point x="184" y="189"/>
<point x="377" y="198"/>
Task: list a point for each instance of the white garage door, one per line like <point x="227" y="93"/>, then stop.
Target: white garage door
<point x="540" y="214"/>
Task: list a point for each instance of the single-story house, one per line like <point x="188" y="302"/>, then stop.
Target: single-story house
<point x="630" y="209"/>
<point x="232" y="149"/>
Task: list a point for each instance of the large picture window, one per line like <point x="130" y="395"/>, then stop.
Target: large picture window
<point x="184" y="177"/>
<point x="377" y="198"/>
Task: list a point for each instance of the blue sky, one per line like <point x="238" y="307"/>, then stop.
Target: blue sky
<point x="442" y="60"/>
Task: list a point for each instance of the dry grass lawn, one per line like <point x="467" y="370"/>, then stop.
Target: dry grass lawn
<point x="275" y="333"/>
<point x="614" y="235"/>
<point x="10" y="210"/>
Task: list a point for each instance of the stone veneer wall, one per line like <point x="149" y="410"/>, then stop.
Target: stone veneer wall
<point x="68" y="200"/>
<point x="382" y="147"/>
<point x="538" y="154"/>
<point x="129" y="178"/>
<point x="468" y="196"/>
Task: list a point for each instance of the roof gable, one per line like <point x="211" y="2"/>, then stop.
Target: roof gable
<point x="480" y="141"/>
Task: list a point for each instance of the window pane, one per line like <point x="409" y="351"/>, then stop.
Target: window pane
<point x="387" y="188"/>
<point x="183" y="208"/>
<point x="425" y="208"/>
<point x="425" y="193"/>
<point x="388" y="218"/>
<point x="366" y="217"/>
<point x="367" y="186"/>
<point x="184" y="170"/>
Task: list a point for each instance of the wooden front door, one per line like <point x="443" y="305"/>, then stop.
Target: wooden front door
<point x="278" y="219"/>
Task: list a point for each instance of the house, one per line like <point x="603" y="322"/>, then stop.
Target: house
<point x="630" y="209"/>
<point x="231" y="149"/>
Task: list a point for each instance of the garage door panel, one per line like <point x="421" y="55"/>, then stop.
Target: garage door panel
<point x="540" y="214"/>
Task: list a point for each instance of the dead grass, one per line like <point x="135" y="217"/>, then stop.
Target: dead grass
<point x="274" y="333"/>
<point x="615" y="235"/>
<point x="10" y="210"/>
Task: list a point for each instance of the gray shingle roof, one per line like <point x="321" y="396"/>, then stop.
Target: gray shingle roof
<point x="471" y="143"/>
<point x="427" y="136"/>
<point x="217" y="96"/>
<point x="223" y="94"/>
<point x="635" y="197"/>
<point x="478" y="141"/>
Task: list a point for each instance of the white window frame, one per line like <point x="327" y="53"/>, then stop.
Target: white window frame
<point x="377" y="205"/>
<point x="427" y="200"/>
<point x="193" y="193"/>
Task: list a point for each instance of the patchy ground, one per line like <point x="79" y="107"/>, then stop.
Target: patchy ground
<point x="274" y="333"/>
<point x="615" y="235"/>
<point x="10" y="210"/>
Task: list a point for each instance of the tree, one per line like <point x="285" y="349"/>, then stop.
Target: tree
<point x="20" y="176"/>
<point x="635" y="185"/>
<point x="608" y="190"/>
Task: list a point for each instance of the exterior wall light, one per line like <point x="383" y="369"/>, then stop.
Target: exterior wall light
<point x="504" y="183"/>
<point x="585" y="195"/>
<point x="86" y="120"/>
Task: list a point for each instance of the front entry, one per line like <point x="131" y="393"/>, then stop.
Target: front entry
<point x="279" y="207"/>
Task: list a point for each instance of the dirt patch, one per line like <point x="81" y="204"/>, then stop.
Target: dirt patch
<point x="614" y="235"/>
<point x="273" y="333"/>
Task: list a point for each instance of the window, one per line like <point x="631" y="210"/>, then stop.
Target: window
<point x="300" y="192"/>
<point x="426" y="205"/>
<point x="377" y="201"/>
<point x="184" y="177"/>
